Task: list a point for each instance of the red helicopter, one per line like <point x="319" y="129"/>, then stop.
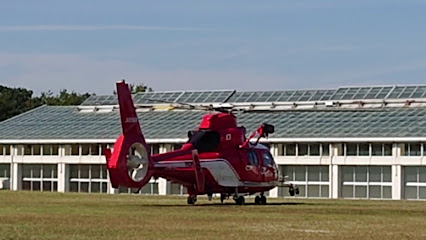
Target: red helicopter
<point x="217" y="158"/>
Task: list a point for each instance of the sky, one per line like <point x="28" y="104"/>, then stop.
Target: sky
<point x="86" y="46"/>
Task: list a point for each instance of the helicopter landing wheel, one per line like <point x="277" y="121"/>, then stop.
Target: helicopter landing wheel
<point x="262" y="200"/>
<point x="257" y="200"/>
<point x="240" y="200"/>
<point x="291" y="191"/>
<point x="191" y="200"/>
<point x="222" y="197"/>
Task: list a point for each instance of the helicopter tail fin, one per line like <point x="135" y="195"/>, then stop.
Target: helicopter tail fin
<point x="129" y="163"/>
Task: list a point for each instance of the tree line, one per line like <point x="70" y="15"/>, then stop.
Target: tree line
<point x="14" y="101"/>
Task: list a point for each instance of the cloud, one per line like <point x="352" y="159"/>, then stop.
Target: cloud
<point x="39" y="28"/>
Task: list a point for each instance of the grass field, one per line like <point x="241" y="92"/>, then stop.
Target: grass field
<point x="35" y="215"/>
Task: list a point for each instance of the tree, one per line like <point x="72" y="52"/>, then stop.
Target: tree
<point x="63" y="99"/>
<point x="14" y="101"/>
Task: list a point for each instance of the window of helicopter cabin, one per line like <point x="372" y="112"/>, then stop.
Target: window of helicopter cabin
<point x="252" y="158"/>
<point x="412" y="149"/>
<point x="267" y="159"/>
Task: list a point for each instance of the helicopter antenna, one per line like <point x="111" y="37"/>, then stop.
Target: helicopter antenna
<point x="229" y="97"/>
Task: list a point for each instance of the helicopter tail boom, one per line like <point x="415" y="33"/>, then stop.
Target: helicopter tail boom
<point x="129" y="163"/>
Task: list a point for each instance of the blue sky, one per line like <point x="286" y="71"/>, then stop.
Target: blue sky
<point x="87" y="46"/>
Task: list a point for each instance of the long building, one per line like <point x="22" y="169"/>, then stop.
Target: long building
<point x="350" y="142"/>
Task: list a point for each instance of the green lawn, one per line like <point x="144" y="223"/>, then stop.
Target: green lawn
<point x="34" y="215"/>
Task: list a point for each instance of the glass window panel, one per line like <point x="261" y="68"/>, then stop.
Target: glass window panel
<point x="104" y="171"/>
<point x="154" y="188"/>
<point x="73" y="186"/>
<point x="347" y="191"/>
<point x="36" y="150"/>
<point x="411" y="192"/>
<point x="422" y="192"/>
<point x="348" y="175"/>
<point x="377" y="149"/>
<point x="300" y="173"/>
<point x="19" y="150"/>
<point x="302" y="191"/>
<point x="387" y="151"/>
<point x="360" y="174"/>
<point x="47" y="149"/>
<point x="94" y="150"/>
<point x="55" y="186"/>
<point x="175" y="188"/>
<point x="84" y="171"/>
<point x="26" y="185"/>
<point x="55" y="149"/>
<point x="324" y="173"/>
<point x="104" y="187"/>
<point x="410" y="174"/>
<point x="313" y="191"/>
<point x="340" y="149"/>
<point x="405" y="151"/>
<point x="146" y="189"/>
<point x="1" y="150"/>
<point x="314" y="150"/>
<point x="36" y="186"/>
<point x="361" y="191"/>
<point x="303" y="149"/>
<point x="95" y="187"/>
<point x="96" y="171"/>
<point x="85" y="149"/>
<point x="4" y="170"/>
<point x="103" y="147"/>
<point x="84" y="187"/>
<point x="313" y="173"/>
<point x="75" y="150"/>
<point x="375" y="192"/>
<point x="415" y="149"/>
<point x="27" y="149"/>
<point x="26" y="171"/>
<point x="422" y="174"/>
<point x="290" y="149"/>
<point x="67" y="150"/>
<point x="47" y="186"/>
<point x="375" y="174"/>
<point x="155" y="148"/>
<point x="364" y="149"/>
<point x="351" y="149"/>
<point x="387" y="174"/>
<point x="288" y="172"/>
<point x="7" y="150"/>
<point x="326" y="149"/>
<point x="325" y="191"/>
<point x="47" y="171"/>
<point x="36" y="168"/>
<point x="387" y="192"/>
<point x="74" y="171"/>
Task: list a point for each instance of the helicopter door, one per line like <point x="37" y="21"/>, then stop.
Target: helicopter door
<point x="268" y="167"/>
<point x="251" y="167"/>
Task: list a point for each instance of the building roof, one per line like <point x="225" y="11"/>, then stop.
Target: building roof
<point x="69" y="123"/>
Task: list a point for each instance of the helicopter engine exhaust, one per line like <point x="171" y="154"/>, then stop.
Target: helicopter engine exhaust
<point x="129" y="163"/>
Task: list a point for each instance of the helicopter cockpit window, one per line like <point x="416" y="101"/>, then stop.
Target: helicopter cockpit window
<point x="267" y="159"/>
<point x="252" y="158"/>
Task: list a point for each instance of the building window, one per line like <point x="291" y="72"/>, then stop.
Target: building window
<point x="40" y="177"/>
<point x="90" y="178"/>
<point x="155" y="149"/>
<point x="366" y="182"/>
<point x="4" y="150"/>
<point x="379" y="149"/>
<point x="415" y="182"/>
<point x="177" y="189"/>
<point x="177" y="146"/>
<point x="412" y="149"/>
<point x="312" y="181"/>
<point x="149" y="189"/>
<point x="50" y="150"/>
<point x="325" y="149"/>
<point x="304" y="149"/>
